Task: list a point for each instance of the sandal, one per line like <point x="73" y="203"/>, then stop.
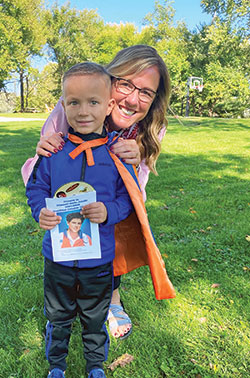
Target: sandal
<point x="117" y="317"/>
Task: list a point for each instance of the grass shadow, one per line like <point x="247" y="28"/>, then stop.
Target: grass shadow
<point x="198" y="208"/>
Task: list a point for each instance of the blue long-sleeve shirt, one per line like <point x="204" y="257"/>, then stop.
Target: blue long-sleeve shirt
<point x="51" y="173"/>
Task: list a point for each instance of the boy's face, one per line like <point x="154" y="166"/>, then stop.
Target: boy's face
<point x="75" y="225"/>
<point x="86" y="101"/>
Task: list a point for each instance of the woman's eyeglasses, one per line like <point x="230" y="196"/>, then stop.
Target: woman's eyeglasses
<point x="126" y="87"/>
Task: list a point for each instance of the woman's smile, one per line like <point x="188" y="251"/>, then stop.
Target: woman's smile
<point x="128" y="109"/>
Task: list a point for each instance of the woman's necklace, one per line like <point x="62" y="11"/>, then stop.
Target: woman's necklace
<point x="130" y="133"/>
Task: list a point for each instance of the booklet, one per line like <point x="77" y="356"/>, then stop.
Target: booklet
<point x="75" y="238"/>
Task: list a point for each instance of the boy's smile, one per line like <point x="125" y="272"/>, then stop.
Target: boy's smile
<point x="75" y="225"/>
<point x="86" y="101"/>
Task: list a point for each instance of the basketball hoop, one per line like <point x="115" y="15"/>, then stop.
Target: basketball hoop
<point x="195" y="83"/>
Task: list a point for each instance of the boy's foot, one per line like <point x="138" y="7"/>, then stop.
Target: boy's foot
<point x="56" y="373"/>
<point x="96" y="373"/>
<point x="120" y="324"/>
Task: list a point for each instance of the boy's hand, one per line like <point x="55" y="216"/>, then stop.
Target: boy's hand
<point x="48" y="219"/>
<point x="96" y="212"/>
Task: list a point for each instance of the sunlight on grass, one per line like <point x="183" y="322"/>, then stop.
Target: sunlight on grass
<point x="25" y="115"/>
<point x="11" y="215"/>
<point x="7" y="269"/>
<point x="30" y="335"/>
<point x="198" y="209"/>
<point x="5" y="196"/>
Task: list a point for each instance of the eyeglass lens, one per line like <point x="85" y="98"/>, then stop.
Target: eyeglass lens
<point x="126" y="87"/>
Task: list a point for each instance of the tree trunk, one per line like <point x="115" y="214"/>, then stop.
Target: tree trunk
<point x="21" y="90"/>
<point x="27" y="92"/>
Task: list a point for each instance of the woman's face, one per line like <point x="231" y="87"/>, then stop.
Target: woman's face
<point x="129" y="109"/>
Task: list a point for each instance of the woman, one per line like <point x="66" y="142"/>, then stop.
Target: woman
<point x="141" y="89"/>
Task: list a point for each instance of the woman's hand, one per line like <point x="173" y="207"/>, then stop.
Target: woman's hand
<point x="48" y="219"/>
<point x="127" y="150"/>
<point x="50" y="143"/>
<point x="96" y="212"/>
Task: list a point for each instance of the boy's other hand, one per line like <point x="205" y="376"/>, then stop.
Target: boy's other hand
<point x="48" y="219"/>
<point x="96" y="212"/>
<point x="50" y="143"/>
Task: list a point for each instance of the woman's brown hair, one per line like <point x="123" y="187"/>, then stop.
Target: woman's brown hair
<point x="135" y="59"/>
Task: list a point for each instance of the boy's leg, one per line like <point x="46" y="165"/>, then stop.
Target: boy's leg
<point x="60" y="310"/>
<point x="94" y="296"/>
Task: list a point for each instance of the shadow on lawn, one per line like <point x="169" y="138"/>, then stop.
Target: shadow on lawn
<point x="17" y="144"/>
<point x="18" y="135"/>
<point x="183" y="191"/>
<point x="184" y="182"/>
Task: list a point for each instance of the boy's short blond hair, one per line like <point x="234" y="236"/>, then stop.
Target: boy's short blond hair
<point x="87" y="68"/>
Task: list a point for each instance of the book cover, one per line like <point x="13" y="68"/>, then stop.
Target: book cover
<point x="75" y="238"/>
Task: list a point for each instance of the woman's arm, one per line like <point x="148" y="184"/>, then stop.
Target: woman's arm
<point x="55" y="123"/>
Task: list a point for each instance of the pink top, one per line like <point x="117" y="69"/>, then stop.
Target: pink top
<point x="57" y="122"/>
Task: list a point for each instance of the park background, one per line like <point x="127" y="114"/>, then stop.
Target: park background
<point x="217" y="50"/>
<point x="198" y="206"/>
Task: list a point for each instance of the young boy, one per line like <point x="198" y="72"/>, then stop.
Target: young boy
<point x="83" y="286"/>
<point x="73" y="236"/>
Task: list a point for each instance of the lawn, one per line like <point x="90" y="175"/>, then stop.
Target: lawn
<point x="198" y="209"/>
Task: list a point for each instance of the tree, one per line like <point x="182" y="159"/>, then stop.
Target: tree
<point x="226" y="91"/>
<point x="170" y="42"/>
<point x="235" y="13"/>
<point x="232" y="18"/>
<point x="23" y="33"/>
<point x="115" y="37"/>
<point x="75" y="36"/>
<point x="9" y="41"/>
<point x="40" y="94"/>
<point x="220" y="54"/>
<point x="71" y="37"/>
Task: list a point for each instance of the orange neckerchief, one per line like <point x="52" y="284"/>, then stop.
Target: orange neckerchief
<point x="85" y="146"/>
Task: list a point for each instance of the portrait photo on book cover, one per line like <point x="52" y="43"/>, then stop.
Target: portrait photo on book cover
<point x="74" y="230"/>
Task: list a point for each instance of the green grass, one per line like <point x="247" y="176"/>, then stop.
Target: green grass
<point x="24" y="115"/>
<point x="199" y="209"/>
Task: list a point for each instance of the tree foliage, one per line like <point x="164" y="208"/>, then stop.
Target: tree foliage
<point x="235" y="13"/>
<point x="170" y="42"/>
<point x="218" y="52"/>
<point x="75" y="36"/>
<point x="71" y="36"/>
<point x="22" y="36"/>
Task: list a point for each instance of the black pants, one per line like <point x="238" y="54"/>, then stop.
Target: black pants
<point x="71" y="291"/>
<point x="117" y="282"/>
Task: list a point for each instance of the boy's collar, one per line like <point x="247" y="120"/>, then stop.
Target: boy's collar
<point x="90" y="136"/>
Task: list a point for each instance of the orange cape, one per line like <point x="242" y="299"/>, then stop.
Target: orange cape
<point x="135" y="245"/>
<point x="134" y="242"/>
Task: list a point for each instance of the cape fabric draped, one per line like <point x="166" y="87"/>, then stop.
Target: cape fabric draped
<point x="135" y="245"/>
<point x="134" y="242"/>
